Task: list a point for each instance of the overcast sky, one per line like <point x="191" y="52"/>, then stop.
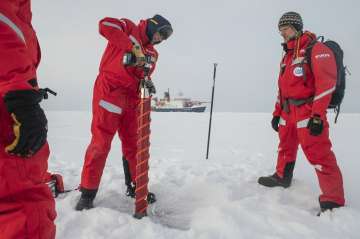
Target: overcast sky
<point x="241" y="36"/>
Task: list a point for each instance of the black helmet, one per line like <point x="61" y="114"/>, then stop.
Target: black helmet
<point x="158" y="24"/>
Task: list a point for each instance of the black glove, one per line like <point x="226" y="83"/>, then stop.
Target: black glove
<point x="149" y="84"/>
<point x="30" y="123"/>
<point x="275" y="123"/>
<point x="315" y="125"/>
<point x="56" y="185"/>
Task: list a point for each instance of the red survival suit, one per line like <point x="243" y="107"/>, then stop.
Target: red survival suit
<point x="319" y="82"/>
<point x="116" y="98"/>
<point x="27" y="208"/>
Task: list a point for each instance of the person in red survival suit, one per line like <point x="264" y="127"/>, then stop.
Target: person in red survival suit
<point x="116" y="98"/>
<point x="300" y="112"/>
<point x="27" y="207"/>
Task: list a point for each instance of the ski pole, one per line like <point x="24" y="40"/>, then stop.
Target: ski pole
<point x="211" y="110"/>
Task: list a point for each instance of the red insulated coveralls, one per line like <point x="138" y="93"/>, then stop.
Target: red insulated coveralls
<point x="116" y="98"/>
<point x="27" y="208"/>
<point x="319" y="82"/>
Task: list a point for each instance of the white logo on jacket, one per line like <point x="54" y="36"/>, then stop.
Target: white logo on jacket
<point x="324" y="55"/>
<point x="298" y="71"/>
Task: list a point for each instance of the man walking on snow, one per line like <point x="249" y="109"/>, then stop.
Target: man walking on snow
<point x="116" y="98"/>
<point x="300" y="112"/>
<point x="27" y="207"/>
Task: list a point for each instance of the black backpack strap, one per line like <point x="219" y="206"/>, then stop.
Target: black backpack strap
<point x="320" y="39"/>
<point x="308" y="51"/>
<point x="307" y="58"/>
<point x="337" y="112"/>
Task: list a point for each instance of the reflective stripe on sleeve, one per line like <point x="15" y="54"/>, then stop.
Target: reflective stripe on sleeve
<point x="110" y="24"/>
<point x="12" y="25"/>
<point x="325" y="93"/>
<point x="133" y="40"/>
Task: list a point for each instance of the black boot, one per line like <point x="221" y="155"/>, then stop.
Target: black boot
<point x="151" y="198"/>
<point x="130" y="192"/>
<point x="327" y="206"/>
<point x="86" y="199"/>
<point x="275" y="181"/>
<point x="126" y="172"/>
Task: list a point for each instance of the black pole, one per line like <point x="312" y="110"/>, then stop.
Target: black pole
<point x="211" y="110"/>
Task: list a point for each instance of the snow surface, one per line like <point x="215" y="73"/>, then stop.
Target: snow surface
<point x="198" y="198"/>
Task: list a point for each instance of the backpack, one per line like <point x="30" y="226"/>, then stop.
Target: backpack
<point x="338" y="94"/>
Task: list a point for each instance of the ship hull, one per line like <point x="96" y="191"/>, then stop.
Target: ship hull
<point x="189" y="109"/>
